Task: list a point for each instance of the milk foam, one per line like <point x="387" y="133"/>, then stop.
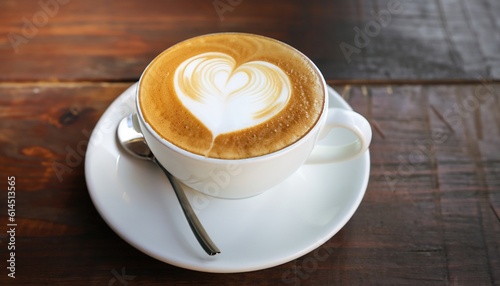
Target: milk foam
<point x="231" y="95"/>
<point x="226" y="97"/>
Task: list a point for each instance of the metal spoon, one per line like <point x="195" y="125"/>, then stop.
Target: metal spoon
<point x="132" y="140"/>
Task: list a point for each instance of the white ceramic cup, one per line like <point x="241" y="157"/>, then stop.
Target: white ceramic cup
<point x="242" y="178"/>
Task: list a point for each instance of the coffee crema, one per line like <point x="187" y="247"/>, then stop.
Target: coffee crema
<point x="231" y="95"/>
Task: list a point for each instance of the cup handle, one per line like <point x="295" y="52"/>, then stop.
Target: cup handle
<point x="326" y="152"/>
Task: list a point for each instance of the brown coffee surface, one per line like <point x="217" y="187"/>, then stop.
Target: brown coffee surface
<point x="164" y="111"/>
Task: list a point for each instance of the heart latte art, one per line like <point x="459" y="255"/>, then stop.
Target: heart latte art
<point x="226" y="97"/>
<point x="231" y="95"/>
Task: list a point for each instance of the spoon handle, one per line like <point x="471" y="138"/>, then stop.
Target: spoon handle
<point x="197" y="228"/>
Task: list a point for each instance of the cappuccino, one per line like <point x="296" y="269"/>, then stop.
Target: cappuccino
<point x="231" y="95"/>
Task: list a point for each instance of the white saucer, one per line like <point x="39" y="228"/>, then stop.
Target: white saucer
<point x="286" y="222"/>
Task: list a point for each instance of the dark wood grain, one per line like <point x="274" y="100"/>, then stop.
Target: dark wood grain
<point x="349" y="40"/>
<point x="430" y="215"/>
<point x="437" y="174"/>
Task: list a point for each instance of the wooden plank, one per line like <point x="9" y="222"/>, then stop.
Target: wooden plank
<point x="430" y="215"/>
<point x="349" y="41"/>
<point x="437" y="161"/>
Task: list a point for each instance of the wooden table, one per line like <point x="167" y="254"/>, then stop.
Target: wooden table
<point x="425" y="73"/>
